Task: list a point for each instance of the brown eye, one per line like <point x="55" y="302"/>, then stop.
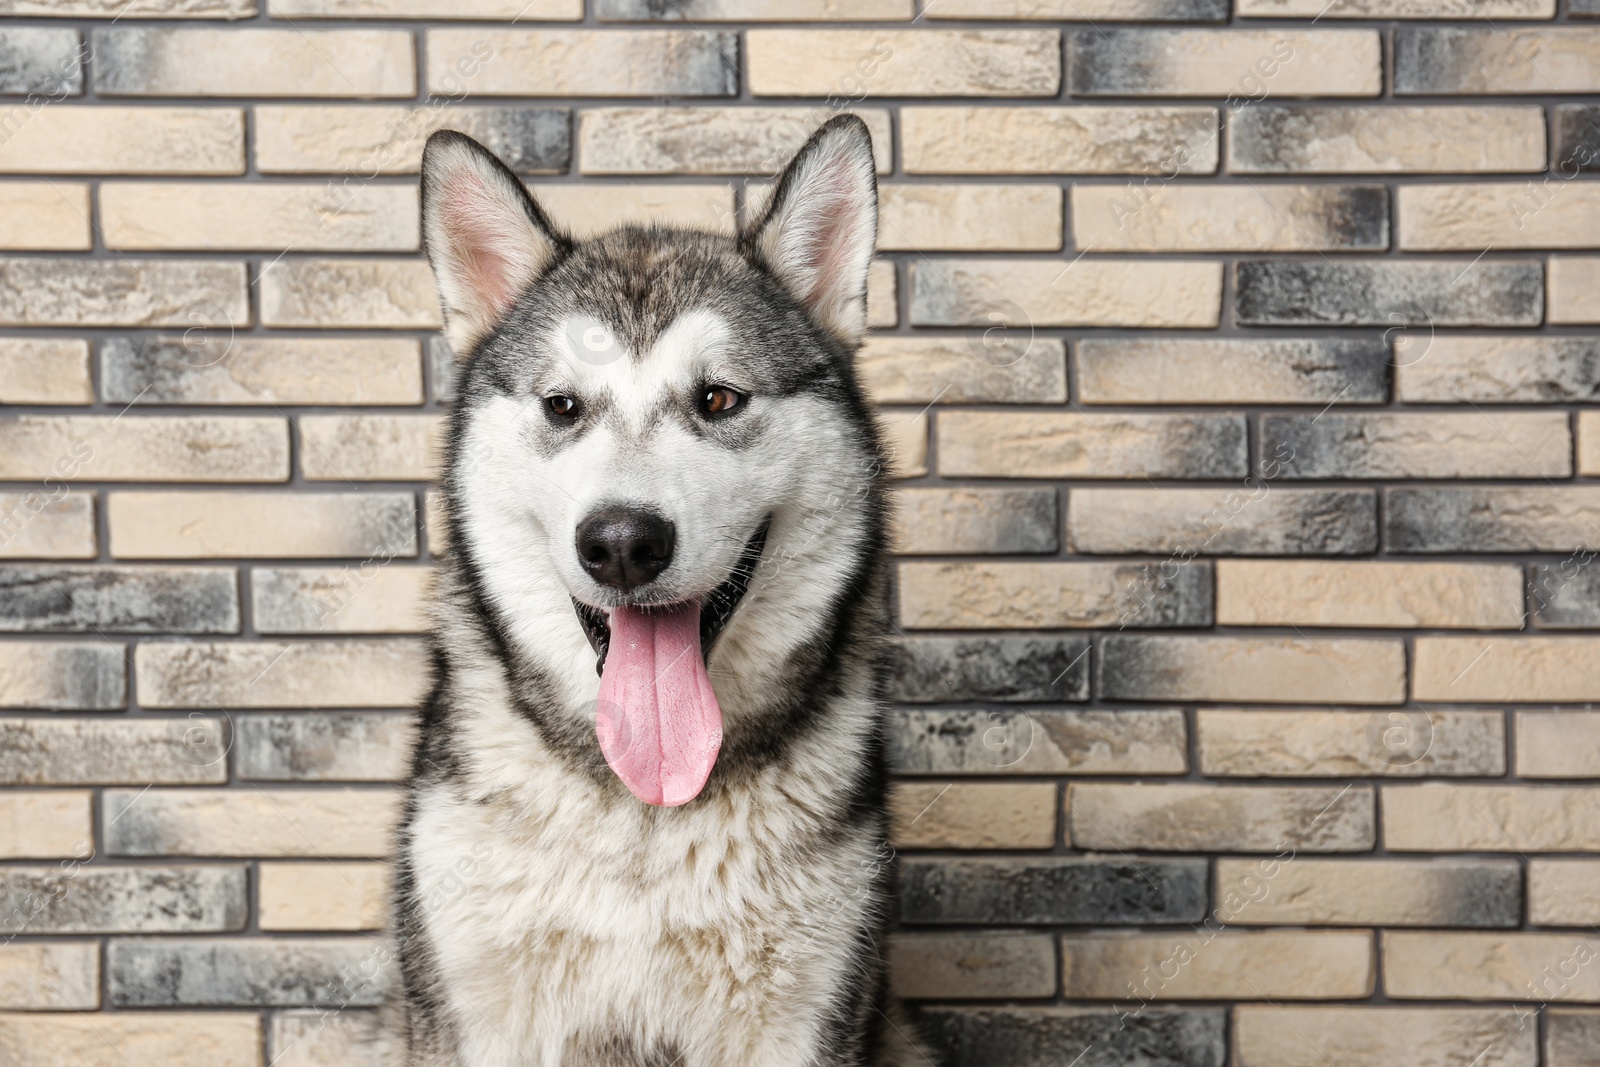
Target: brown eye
<point x="562" y="407"/>
<point x="718" y="400"/>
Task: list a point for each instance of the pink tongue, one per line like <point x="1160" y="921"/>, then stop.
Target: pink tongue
<point x="658" y="720"/>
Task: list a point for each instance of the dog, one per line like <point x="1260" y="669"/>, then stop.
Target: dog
<point x="645" y="825"/>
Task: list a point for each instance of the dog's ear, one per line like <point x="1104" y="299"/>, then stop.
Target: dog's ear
<point x="820" y="224"/>
<point x="485" y="236"/>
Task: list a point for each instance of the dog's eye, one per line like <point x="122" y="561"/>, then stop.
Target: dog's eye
<point x="562" y="407"/>
<point x="718" y="400"/>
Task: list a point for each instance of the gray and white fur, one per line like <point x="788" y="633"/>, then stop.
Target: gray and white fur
<point x="544" y="915"/>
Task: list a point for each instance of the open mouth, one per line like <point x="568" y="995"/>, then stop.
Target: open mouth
<point x="657" y="718"/>
<point x="715" y="610"/>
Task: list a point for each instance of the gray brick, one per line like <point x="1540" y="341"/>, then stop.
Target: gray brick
<point x="1236" y="63"/>
<point x="1386" y="139"/>
<point x="254" y="972"/>
<point x="443" y="369"/>
<point x="1037" y="742"/>
<point x="1255" y="670"/>
<point x="1053" y="891"/>
<point x="202" y="296"/>
<point x="1577" y="138"/>
<point x="1572" y="1036"/>
<point x="1492" y="519"/>
<point x="1083" y="1037"/>
<point x="1497" y="370"/>
<point x="1565" y="595"/>
<point x="40" y="60"/>
<point x="940" y="670"/>
<point x="161" y="751"/>
<point x="1184" y="817"/>
<point x="304" y="746"/>
<point x="945" y="521"/>
<point x="228" y="368"/>
<point x="62" y="675"/>
<point x="145" y="600"/>
<point x="968" y="966"/>
<point x="1103" y="10"/>
<point x="1584" y="9"/>
<point x="1255" y="520"/>
<point x="1153" y="370"/>
<point x="752" y="10"/>
<point x="1451" y="60"/>
<point x="1279" y="292"/>
<point x="1470" y="444"/>
<point x="125" y="900"/>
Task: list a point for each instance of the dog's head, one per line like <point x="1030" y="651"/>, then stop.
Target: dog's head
<point x="660" y="458"/>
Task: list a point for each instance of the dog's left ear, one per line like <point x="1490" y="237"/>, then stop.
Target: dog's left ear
<point x="485" y="236"/>
<point x="819" y="227"/>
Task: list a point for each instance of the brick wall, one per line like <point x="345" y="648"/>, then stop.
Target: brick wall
<point x="1235" y="362"/>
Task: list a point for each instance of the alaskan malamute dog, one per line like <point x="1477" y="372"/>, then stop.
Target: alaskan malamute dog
<point x="646" y="819"/>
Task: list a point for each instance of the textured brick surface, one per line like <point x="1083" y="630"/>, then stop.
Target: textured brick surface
<point x="1309" y="743"/>
<point x="973" y="815"/>
<point x="1187" y="371"/>
<point x="1370" y="1037"/>
<point x="1038" y="742"/>
<point x="37" y="825"/>
<point x="1313" y="139"/>
<point x="44" y="976"/>
<point x="1298" y="965"/>
<point x="1390" y="892"/>
<point x="1255" y="519"/>
<point x="1050" y="891"/>
<point x="127" y="900"/>
<point x="183" y="1039"/>
<point x="1220" y="818"/>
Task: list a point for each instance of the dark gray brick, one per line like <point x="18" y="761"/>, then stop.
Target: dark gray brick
<point x="1566" y="595"/>
<point x="443" y="370"/>
<point x="1052" y="891"/>
<point x="1281" y="292"/>
<point x="531" y="140"/>
<point x="1490" y="519"/>
<point x="1037" y="742"/>
<point x="1577" y="136"/>
<point x="144" y="600"/>
<point x="43" y="60"/>
<point x="254" y="972"/>
<point x="1457" y="444"/>
<point x="936" y="670"/>
<point x="1572" y="1035"/>
<point x="170" y="750"/>
<point x="93" y="899"/>
<point x="1585" y="9"/>
<point x="306" y="746"/>
<point x="1081" y="1037"/>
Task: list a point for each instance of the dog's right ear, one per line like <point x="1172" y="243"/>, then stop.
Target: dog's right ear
<point x="485" y="236"/>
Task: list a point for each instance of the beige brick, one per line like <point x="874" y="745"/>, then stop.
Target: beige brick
<point x="317" y="824"/>
<point x="1311" y="743"/>
<point x="1441" y="817"/>
<point x="115" y="9"/>
<point x="1573" y="289"/>
<point x="709" y="140"/>
<point x="941" y="218"/>
<point x="349" y="294"/>
<point x="1506" y="668"/>
<point x="434" y="523"/>
<point x="63" y="675"/>
<point x="1072" y="10"/>
<point x="36" y="525"/>
<point x="44" y="216"/>
<point x="1042" y="742"/>
<point x="1480" y="1036"/>
<point x="123" y="292"/>
<point x="1037" y="444"/>
<point x="46" y="826"/>
<point x="370" y="447"/>
<point x="178" y="525"/>
<point x="60" y="750"/>
<point x="1315" y="139"/>
<point x="1317" y="593"/>
<point x="882" y="301"/>
<point x="1221" y="818"/>
<point x="1058" y="140"/>
<point x="905" y="437"/>
<point x="1398" y="9"/>
<point x="515" y="10"/>
<point x="274" y="216"/>
<point x="1563" y="892"/>
<point x="973" y="815"/>
<point x="1256" y="519"/>
<point x="1496" y="59"/>
<point x="73" y="139"/>
<point x="1256" y="670"/>
<point x="324" y="896"/>
<point x="761" y="10"/>
<point x="174" y="448"/>
<point x="585" y="209"/>
<point x="319" y="1038"/>
<point x="270" y="674"/>
<point x="1554" y="213"/>
<point x="257" y="370"/>
<point x="1237" y="63"/>
<point x="1588" y="442"/>
<point x="1558" y="744"/>
<point x="1471" y="444"/>
<point x="1229" y="218"/>
<point x="541" y="62"/>
<point x="941" y="521"/>
<point x="1490" y="966"/>
<point x="50" y="976"/>
<point x="1455" y="369"/>
<point x="969" y="596"/>
<point x="1206" y="964"/>
<point x="364" y="599"/>
<point x="362" y="141"/>
<point x="1100" y="292"/>
<point x="254" y="62"/>
<point x="976" y="966"/>
<point x="1157" y="370"/>
<point x="1384" y="892"/>
<point x="174" y="1039"/>
<point x="1000" y="366"/>
<point x="44" y="371"/>
<point x="857" y="63"/>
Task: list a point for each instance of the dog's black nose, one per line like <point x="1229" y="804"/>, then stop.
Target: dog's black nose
<point x="625" y="547"/>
